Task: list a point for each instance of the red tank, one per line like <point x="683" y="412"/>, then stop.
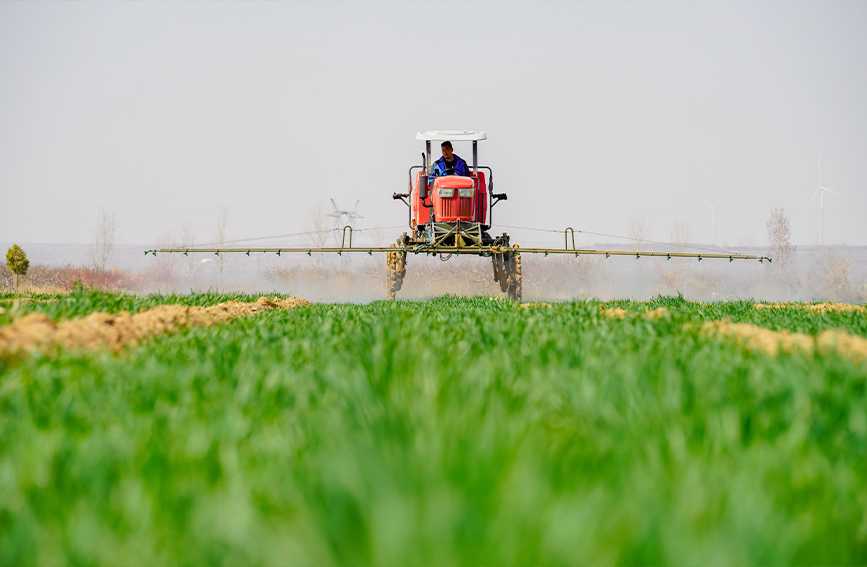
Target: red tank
<point x="449" y="205"/>
<point x="420" y="213"/>
<point x="453" y="198"/>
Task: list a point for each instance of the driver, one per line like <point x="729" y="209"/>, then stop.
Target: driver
<point x="450" y="163"/>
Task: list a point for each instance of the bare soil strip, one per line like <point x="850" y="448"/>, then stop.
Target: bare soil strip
<point x="849" y="347"/>
<point x="817" y="308"/>
<point x="846" y="346"/>
<point x="36" y="331"/>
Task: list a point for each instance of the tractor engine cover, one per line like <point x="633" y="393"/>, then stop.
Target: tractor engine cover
<point x="420" y="212"/>
<point x="453" y="199"/>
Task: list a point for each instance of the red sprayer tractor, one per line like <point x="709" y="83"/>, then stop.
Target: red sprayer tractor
<point x="452" y="214"/>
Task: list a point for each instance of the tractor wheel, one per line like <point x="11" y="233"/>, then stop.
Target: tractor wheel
<point x="508" y="268"/>
<point x="396" y="272"/>
<point x="500" y="275"/>
<point x="516" y="286"/>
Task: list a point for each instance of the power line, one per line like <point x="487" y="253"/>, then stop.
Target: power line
<point x="305" y="233"/>
<point x="623" y="237"/>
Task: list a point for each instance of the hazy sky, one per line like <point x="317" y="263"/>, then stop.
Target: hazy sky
<point x="595" y="112"/>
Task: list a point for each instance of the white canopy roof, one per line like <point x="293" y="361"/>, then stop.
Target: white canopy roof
<point x="451" y="135"/>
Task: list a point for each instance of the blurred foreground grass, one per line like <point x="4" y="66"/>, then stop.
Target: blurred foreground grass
<point x="451" y="432"/>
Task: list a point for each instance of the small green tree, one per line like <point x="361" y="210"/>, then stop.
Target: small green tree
<point x="18" y="263"/>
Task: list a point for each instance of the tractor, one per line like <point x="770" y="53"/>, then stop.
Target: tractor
<point x="453" y="212"/>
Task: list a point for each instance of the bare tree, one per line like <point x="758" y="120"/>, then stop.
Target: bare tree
<point x="675" y="277"/>
<point x="780" y="247"/>
<point x="166" y="261"/>
<point x="318" y="230"/>
<point x="378" y="237"/>
<point x="832" y="278"/>
<point x="220" y="237"/>
<point x="188" y="240"/>
<point x="747" y="241"/>
<point x="681" y="235"/>
<point x="640" y="229"/>
<point x="280" y="275"/>
<point x="104" y="239"/>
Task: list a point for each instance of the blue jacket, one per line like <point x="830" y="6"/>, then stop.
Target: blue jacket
<point x="459" y="165"/>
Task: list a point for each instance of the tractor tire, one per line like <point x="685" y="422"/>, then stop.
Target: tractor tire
<point x="516" y="285"/>
<point x="396" y="272"/>
<point x="500" y="275"/>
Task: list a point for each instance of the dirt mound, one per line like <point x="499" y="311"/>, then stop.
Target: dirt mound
<point x="656" y="314"/>
<point x="115" y="331"/>
<point x="613" y="312"/>
<point x="849" y="347"/>
<point x="619" y="313"/>
<point x="817" y="308"/>
<point x="761" y="339"/>
<point x="533" y="305"/>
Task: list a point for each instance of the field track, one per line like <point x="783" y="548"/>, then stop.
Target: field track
<point x="115" y="331"/>
<point x="454" y="431"/>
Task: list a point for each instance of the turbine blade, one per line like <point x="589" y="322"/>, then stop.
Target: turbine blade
<point x="831" y="191"/>
<point x="820" y="171"/>
<point x="721" y="200"/>
<point x="811" y="198"/>
<point x="333" y="204"/>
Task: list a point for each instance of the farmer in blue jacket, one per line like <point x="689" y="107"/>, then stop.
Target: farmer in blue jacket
<point x="450" y="163"/>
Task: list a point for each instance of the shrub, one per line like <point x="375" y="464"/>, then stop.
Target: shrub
<point x="87" y="277"/>
<point x="17" y="262"/>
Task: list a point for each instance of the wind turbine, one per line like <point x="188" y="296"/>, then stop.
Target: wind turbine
<point x="713" y="216"/>
<point x="821" y="193"/>
<point x="96" y="204"/>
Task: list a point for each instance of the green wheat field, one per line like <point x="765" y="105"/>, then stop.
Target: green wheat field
<point x="457" y="431"/>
